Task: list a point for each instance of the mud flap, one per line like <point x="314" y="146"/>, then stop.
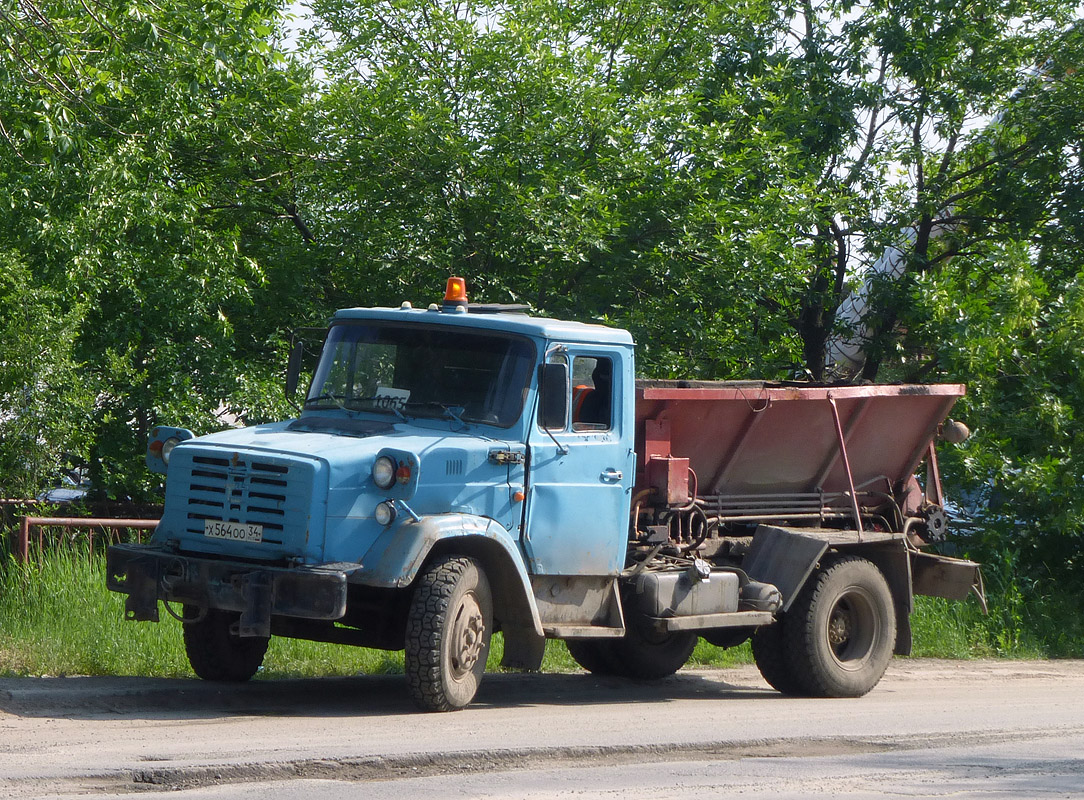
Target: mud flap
<point x="523" y="648"/>
<point x="783" y="558"/>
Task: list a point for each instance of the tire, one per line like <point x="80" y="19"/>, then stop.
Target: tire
<point x="770" y="655"/>
<point x="841" y="631"/>
<point x="216" y="654"/>
<point x="447" y="635"/>
<point x="727" y="637"/>
<point x="645" y="653"/>
<point x="594" y="655"/>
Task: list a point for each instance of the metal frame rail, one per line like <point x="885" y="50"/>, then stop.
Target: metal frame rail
<point x="113" y="530"/>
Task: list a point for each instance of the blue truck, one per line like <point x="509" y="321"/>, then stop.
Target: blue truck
<point x="460" y="470"/>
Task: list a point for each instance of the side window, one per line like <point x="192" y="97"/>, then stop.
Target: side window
<point x="592" y="393"/>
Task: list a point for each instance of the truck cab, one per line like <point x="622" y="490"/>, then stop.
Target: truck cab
<point x="421" y="450"/>
<point x="456" y="471"/>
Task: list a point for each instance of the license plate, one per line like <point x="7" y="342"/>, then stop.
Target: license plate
<point x="235" y="531"/>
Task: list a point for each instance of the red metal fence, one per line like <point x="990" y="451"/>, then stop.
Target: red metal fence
<point x="112" y="529"/>
<point x="24" y="527"/>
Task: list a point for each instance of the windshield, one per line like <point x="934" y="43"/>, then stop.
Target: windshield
<point x="423" y="372"/>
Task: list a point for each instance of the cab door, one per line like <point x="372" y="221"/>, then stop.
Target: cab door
<point x="581" y="470"/>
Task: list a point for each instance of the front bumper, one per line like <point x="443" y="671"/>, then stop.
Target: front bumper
<point x="147" y="574"/>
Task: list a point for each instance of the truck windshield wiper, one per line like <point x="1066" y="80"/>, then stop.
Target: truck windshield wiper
<point x="337" y="399"/>
<point x="448" y="410"/>
<point x="349" y="403"/>
<point x="454" y="412"/>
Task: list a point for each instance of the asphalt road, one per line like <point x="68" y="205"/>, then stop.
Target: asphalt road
<point x="930" y="729"/>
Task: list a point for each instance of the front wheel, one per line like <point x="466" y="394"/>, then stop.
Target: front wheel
<point x="216" y="654"/>
<point x="447" y="637"/>
<point x="841" y="631"/>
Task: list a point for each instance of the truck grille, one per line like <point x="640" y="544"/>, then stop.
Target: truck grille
<point x="255" y="491"/>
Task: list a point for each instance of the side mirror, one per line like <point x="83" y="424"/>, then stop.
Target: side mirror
<point x="293" y="370"/>
<point x="555" y="388"/>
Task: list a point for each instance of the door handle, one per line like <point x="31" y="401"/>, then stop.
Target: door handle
<point x="612" y="475"/>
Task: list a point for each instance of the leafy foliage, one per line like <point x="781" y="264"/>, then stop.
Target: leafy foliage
<point x="1006" y="315"/>
<point x="43" y="403"/>
<point x="142" y="156"/>
<point x="556" y="155"/>
<point x="186" y="183"/>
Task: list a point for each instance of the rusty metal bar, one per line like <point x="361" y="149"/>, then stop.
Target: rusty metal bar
<point x="846" y="464"/>
<point x="933" y="477"/>
<point x="722" y="390"/>
<point x="22" y="544"/>
<point x="852" y="423"/>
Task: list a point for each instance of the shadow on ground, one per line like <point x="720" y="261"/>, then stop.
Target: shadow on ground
<point x="376" y="695"/>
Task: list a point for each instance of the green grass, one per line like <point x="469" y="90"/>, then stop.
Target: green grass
<point x="57" y="618"/>
<point x="1020" y="624"/>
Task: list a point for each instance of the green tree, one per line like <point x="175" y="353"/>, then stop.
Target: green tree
<point x="44" y="405"/>
<point x="891" y="106"/>
<point x="1009" y="319"/>
<point x="558" y="155"/>
<point x="718" y="178"/>
<point x="149" y="156"/>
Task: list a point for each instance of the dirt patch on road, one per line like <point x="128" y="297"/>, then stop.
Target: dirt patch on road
<point x="437" y="764"/>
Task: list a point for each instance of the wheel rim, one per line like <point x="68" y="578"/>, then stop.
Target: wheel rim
<point x="852" y="628"/>
<point x="468" y="637"/>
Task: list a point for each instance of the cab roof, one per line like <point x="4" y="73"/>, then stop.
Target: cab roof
<point x="491" y="320"/>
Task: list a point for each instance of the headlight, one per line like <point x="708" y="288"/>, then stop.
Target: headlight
<point x="167" y="447"/>
<point x="385" y="513"/>
<point x="384" y="472"/>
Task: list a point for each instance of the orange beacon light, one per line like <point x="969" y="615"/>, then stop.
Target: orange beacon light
<point x="456" y="293"/>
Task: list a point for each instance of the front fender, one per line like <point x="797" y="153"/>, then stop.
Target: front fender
<point x="398" y="553"/>
<point x="396" y="557"/>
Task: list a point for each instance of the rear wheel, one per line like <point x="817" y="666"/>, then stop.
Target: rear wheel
<point x="447" y="637"/>
<point x="216" y="654"/>
<point x="727" y="637"/>
<point x="841" y="631"/>
<point x="594" y="655"/>
<point x="647" y="653"/>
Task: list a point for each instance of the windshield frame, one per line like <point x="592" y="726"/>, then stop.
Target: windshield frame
<point x="319" y="400"/>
